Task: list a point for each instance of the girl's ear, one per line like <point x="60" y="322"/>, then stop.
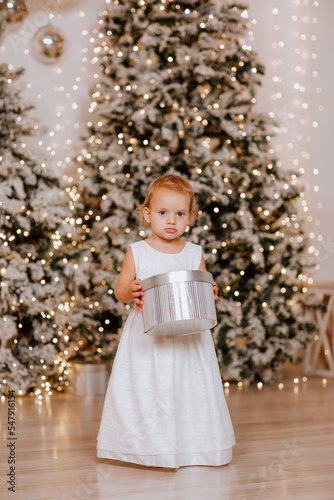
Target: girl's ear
<point x="146" y="214"/>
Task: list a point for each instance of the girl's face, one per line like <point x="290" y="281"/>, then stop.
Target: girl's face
<point x="168" y="213"/>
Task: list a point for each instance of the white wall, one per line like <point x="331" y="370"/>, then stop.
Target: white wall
<point x="64" y="109"/>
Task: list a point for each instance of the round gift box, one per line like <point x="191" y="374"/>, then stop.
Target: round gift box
<point x="178" y="303"/>
<point x="88" y="379"/>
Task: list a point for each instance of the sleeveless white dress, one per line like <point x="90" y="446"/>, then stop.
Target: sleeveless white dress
<point x="165" y="404"/>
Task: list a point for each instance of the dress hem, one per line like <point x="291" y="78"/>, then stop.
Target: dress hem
<point x="174" y="461"/>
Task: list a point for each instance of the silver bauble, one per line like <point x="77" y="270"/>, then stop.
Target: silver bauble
<point x="48" y="44"/>
<point x="14" y="10"/>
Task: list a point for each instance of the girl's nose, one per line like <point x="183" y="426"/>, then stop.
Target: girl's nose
<point x="171" y="219"/>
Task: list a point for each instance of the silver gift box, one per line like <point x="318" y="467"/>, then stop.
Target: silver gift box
<point x="178" y="303"/>
<point x="88" y="379"/>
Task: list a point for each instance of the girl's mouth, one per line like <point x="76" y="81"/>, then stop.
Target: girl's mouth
<point x="170" y="230"/>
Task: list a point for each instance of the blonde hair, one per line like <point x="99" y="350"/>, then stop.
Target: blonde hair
<point x="174" y="183"/>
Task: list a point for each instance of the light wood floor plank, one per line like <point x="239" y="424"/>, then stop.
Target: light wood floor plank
<point x="285" y="450"/>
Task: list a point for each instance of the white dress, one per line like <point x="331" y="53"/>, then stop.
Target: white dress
<point x="165" y="404"/>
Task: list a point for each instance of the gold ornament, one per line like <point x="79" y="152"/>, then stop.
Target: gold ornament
<point x="48" y="44"/>
<point x="14" y="10"/>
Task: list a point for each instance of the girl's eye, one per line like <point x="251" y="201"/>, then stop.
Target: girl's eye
<point x="162" y="212"/>
<point x="181" y="214"/>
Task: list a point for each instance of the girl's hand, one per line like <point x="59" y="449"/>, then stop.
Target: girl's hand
<point x="215" y="290"/>
<point x="137" y="293"/>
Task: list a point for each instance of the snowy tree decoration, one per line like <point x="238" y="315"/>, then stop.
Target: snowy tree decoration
<point x="176" y="94"/>
<point x="33" y="213"/>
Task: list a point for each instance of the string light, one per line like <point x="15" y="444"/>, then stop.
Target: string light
<point x="86" y="62"/>
<point x="293" y="116"/>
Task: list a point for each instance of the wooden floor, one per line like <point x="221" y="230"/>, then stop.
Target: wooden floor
<point x="285" y="449"/>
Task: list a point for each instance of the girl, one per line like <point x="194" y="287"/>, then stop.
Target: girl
<point x="165" y="404"/>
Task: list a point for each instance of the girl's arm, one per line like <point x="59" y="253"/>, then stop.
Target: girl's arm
<point x="202" y="267"/>
<point x="128" y="288"/>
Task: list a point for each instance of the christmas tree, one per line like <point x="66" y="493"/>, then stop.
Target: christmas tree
<point x="177" y="94"/>
<point x="33" y="211"/>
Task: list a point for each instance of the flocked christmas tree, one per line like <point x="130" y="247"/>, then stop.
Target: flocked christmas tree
<point x="176" y="94"/>
<point x="33" y="209"/>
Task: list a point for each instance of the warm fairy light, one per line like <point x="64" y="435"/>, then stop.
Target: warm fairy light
<point x="71" y="100"/>
<point x="293" y="117"/>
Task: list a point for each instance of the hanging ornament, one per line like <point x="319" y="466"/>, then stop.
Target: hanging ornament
<point x="48" y="44"/>
<point x="14" y="10"/>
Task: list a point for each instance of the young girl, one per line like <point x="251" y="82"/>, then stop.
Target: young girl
<point x="165" y="404"/>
